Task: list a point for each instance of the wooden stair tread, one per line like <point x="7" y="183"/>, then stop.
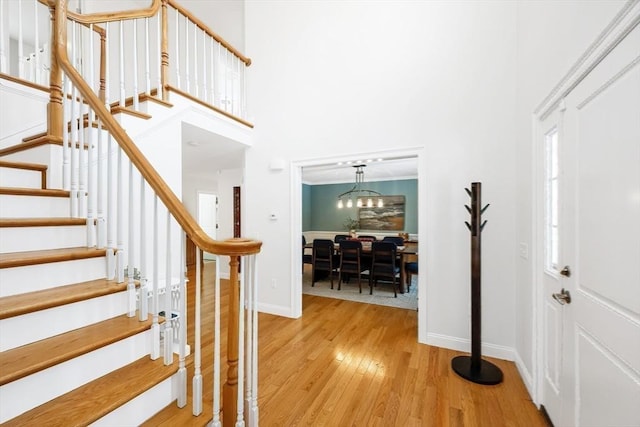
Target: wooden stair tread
<point x="30" y="358"/>
<point x="46" y="192"/>
<point x="31" y="142"/>
<point x="17" y="305"/>
<point x="41" y="222"/>
<point x="23" y="165"/>
<point x="20" y="259"/>
<point x="94" y="400"/>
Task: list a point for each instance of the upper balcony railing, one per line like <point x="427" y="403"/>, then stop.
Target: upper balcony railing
<point x="170" y="50"/>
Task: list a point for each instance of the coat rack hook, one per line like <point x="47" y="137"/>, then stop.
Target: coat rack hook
<point x="468" y="208"/>
<point x="468" y="225"/>
<point x="468" y="191"/>
<point x="483" y="224"/>
<point x="484" y="209"/>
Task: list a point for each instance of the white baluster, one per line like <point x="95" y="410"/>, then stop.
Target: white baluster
<point x="82" y="164"/>
<point x="159" y="42"/>
<point x="227" y="101"/>
<point x="111" y="212"/>
<point x="107" y="77"/>
<point x="197" y="374"/>
<point x="182" y="369"/>
<point x="101" y="231"/>
<point x="216" y="422"/>
<point x="177" y="60"/>
<point x="143" y="293"/>
<point x="91" y="183"/>
<point x="243" y="76"/>
<point x="120" y="227"/>
<point x="168" y="330"/>
<point x="134" y="63"/>
<point x="21" y="58"/>
<point x="241" y="347"/>
<point x="36" y="43"/>
<point x="212" y="72"/>
<point x="155" y="327"/>
<point x="195" y="60"/>
<point x="131" y="286"/>
<point x="121" y="48"/>
<point x="147" y="69"/>
<point x="187" y="77"/>
<point x="205" y="93"/>
<point x="252" y="404"/>
<point x="66" y="142"/>
<point x="74" y="153"/>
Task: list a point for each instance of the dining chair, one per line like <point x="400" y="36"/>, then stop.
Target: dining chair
<point x="324" y="259"/>
<point x="384" y="264"/>
<point x="306" y="258"/>
<point x="367" y="238"/>
<point x="351" y="261"/>
<point x="410" y="268"/>
<point x="340" y="237"/>
<point x="395" y="239"/>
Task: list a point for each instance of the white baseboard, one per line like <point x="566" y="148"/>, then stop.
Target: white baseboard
<point x="526" y="376"/>
<point x="464" y="344"/>
<point x="278" y="310"/>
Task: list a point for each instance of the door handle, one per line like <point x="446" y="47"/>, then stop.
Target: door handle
<point x="566" y="271"/>
<point x="563" y="297"/>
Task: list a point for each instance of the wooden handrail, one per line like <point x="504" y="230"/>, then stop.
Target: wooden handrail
<point x="231" y="247"/>
<point x="206" y="29"/>
<point x="102" y="17"/>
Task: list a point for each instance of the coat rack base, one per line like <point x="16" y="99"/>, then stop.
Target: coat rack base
<point x="488" y="374"/>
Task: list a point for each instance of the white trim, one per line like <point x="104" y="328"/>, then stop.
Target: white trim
<point x="277" y="310"/>
<point x="526" y="376"/>
<point x="464" y="344"/>
<point x="619" y="27"/>
<point x="296" y="226"/>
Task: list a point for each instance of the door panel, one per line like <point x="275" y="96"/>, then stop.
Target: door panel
<point x="602" y="326"/>
<point x="599" y="332"/>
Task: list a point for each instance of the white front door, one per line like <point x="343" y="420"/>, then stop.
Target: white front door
<point x="591" y="356"/>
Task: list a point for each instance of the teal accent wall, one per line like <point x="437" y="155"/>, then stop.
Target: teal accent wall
<point x="306" y="207"/>
<point x="321" y="204"/>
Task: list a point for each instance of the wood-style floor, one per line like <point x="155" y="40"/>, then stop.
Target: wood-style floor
<point x="351" y="364"/>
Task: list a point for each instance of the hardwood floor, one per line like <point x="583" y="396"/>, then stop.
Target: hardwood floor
<point x="351" y="364"/>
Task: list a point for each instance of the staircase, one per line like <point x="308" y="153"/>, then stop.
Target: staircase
<point x="70" y="355"/>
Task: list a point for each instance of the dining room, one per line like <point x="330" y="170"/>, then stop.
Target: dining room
<point x="369" y="203"/>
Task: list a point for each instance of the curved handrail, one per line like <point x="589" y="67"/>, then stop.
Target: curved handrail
<point x="101" y="17"/>
<point x="208" y="30"/>
<point x="231" y="247"/>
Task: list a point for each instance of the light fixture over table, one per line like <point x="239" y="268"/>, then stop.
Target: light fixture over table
<point x="360" y="193"/>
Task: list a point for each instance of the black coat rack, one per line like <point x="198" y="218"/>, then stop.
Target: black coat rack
<point x="474" y="368"/>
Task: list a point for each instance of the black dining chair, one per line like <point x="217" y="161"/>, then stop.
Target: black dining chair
<point x="340" y="237"/>
<point x="410" y="268"/>
<point x="351" y="261"/>
<point x="395" y="239"/>
<point x="324" y="259"/>
<point x="366" y="238"/>
<point x="306" y="258"/>
<point x="384" y="264"/>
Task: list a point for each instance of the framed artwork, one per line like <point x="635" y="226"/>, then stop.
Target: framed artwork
<point x="389" y="217"/>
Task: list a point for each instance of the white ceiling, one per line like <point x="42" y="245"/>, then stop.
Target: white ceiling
<point x="204" y="152"/>
<point x="388" y="169"/>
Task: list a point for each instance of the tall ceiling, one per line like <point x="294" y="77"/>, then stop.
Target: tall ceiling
<point x="385" y="169"/>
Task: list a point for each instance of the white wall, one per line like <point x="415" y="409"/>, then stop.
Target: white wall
<point x="552" y="36"/>
<point x="333" y="78"/>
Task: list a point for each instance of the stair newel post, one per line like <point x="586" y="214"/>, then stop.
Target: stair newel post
<point x="217" y="338"/>
<point x="474" y="368"/>
<point x="230" y="388"/>
<point x="55" y="116"/>
<point x="168" y="315"/>
<point x="155" y="303"/>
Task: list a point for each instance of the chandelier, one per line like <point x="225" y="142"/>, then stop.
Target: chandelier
<point x="359" y="193"/>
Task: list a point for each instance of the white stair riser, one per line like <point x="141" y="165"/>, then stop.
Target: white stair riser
<point x="18" y="280"/>
<point x="20" y="330"/>
<point x="24" y="178"/>
<point x="138" y="410"/>
<point x="47" y="154"/>
<point x="27" y="393"/>
<point x="21" y="239"/>
<point x="12" y="206"/>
